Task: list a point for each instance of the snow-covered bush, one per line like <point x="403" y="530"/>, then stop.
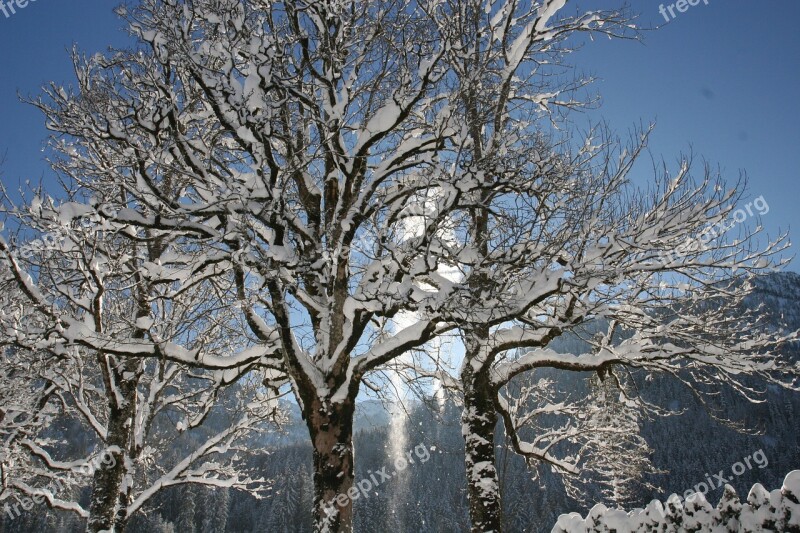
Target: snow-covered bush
<point x="778" y="510"/>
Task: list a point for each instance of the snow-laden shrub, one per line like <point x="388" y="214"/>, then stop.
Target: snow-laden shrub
<point x="778" y="510"/>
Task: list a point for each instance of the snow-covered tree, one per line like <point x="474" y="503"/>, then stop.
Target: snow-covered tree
<point x="556" y="242"/>
<point x="83" y="294"/>
<point x="316" y="164"/>
<point x="282" y="143"/>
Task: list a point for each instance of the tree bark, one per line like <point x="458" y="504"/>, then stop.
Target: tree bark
<point x="108" y="510"/>
<point x="331" y="429"/>
<point x="478" y="423"/>
<point x="106" y="484"/>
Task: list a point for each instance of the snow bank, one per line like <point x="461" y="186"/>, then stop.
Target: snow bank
<point x="778" y="510"/>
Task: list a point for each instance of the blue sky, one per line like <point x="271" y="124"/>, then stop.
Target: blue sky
<point x="722" y="79"/>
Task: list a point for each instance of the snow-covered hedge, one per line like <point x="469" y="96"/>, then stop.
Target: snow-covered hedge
<point x="778" y="510"/>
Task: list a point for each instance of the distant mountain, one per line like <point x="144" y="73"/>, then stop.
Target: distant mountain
<point x="780" y="294"/>
<point x="778" y="297"/>
<point x="693" y="446"/>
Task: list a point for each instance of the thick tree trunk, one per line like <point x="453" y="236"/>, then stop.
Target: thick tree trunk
<point x="106" y="484"/>
<point x="478" y="423"/>
<point x="108" y="506"/>
<point x="331" y="429"/>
